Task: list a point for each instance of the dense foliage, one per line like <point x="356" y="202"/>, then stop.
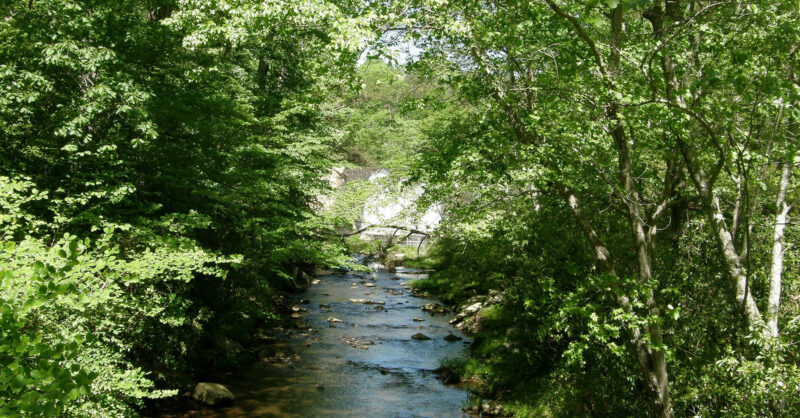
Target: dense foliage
<point x="383" y="119"/>
<point x="159" y="161"/>
<point x="623" y="169"/>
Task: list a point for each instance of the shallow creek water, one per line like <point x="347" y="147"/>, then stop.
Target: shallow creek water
<point x="365" y="366"/>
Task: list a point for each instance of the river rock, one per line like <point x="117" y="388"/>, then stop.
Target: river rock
<point x="418" y="319"/>
<point x="452" y="338"/>
<point x="492" y="408"/>
<point x="468" y="319"/>
<point x="420" y="337"/>
<point x="319" y="271"/>
<point x="367" y="301"/>
<point x="212" y="394"/>
<point x="471" y="324"/>
<point x="369" y="284"/>
<point x="332" y="319"/>
<point x="467" y="311"/>
<point x="434" y="308"/>
<point x="263" y="337"/>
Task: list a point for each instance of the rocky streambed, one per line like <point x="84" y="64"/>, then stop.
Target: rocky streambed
<point x="361" y="344"/>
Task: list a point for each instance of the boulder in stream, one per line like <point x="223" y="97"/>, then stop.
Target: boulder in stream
<point x="212" y="394"/>
<point x="420" y="337"/>
<point x="452" y="338"/>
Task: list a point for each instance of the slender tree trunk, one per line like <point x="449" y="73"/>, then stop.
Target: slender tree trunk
<point x="778" y="248"/>
<point x="732" y="260"/>
<point x="643" y="241"/>
<point x="704" y="185"/>
<point x="652" y="363"/>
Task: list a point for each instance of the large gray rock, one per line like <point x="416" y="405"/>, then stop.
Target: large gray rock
<point x="212" y="394"/>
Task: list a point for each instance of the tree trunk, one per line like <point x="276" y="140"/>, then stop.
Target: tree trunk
<point x="643" y="241"/>
<point x="778" y="249"/>
<point x="732" y="260"/>
<point x="704" y="184"/>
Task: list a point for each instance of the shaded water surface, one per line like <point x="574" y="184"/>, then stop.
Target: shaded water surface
<point x="367" y="365"/>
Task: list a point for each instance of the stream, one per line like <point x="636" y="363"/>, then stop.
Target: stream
<point x="367" y="365"/>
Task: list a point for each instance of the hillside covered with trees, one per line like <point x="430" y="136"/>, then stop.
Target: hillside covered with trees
<point x="624" y="173"/>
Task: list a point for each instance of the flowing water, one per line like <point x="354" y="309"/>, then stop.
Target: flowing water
<point x="367" y="365"/>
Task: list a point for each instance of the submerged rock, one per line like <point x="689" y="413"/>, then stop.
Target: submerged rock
<point x="212" y="394"/>
<point x="420" y="337"/>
